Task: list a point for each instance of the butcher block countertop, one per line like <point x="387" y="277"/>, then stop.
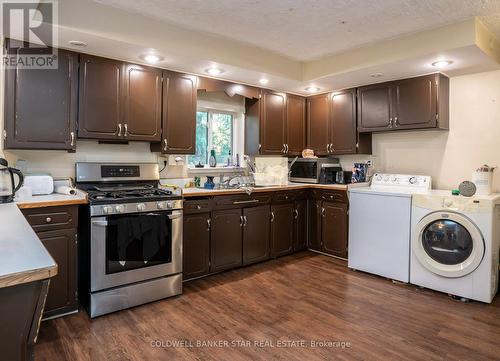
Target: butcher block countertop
<point x="23" y="258"/>
<point x="52" y="200"/>
<point x="198" y="192"/>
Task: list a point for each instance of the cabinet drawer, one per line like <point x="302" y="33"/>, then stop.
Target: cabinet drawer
<point x="283" y="197"/>
<point x="332" y="195"/>
<point x="51" y="218"/>
<point x="240" y="201"/>
<point x="197" y="205"/>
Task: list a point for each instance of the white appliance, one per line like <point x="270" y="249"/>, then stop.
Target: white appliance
<point x="455" y="244"/>
<point x="379" y="224"/>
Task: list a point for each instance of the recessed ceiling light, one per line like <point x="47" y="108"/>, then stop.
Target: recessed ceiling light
<point x="152" y="58"/>
<point x="312" y="89"/>
<point x="263" y="81"/>
<point x="442" y="63"/>
<point x="376" y="75"/>
<point x="77" y="43"/>
<point x="214" y="71"/>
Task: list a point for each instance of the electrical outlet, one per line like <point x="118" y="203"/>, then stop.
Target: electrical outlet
<point x="370" y="163"/>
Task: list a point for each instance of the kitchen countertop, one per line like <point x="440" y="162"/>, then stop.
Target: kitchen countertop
<point x="198" y="192"/>
<point x="51" y="200"/>
<point x="23" y="258"/>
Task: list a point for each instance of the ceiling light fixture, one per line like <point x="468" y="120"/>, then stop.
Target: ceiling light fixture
<point x="152" y="58"/>
<point x="442" y="63"/>
<point x="78" y="43"/>
<point x="264" y="81"/>
<point x="376" y="75"/>
<point x="312" y="89"/>
<point x="214" y="71"/>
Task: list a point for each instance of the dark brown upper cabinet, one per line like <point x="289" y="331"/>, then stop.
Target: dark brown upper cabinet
<point x="273" y="123"/>
<point x="179" y="113"/>
<point x="41" y="106"/>
<point x="100" y="104"/>
<point x="142" y="108"/>
<point x="318" y="123"/>
<point x="415" y="103"/>
<point x="331" y="124"/>
<point x="296" y="124"/>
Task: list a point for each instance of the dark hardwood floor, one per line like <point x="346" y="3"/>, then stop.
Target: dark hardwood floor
<point x="305" y="297"/>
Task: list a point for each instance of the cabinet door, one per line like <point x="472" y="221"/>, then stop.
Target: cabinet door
<point x="255" y="234"/>
<point x="318" y="123"/>
<point x="295" y="124"/>
<point x="334" y="229"/>
<point x="374" y="107"/>
<point x="300" y="225"/>
<point x="415" y="103"/>
<point x="281" y="229"/>
<point x="100" y="99"/>
<point x="226" y="240"/>
<point x="142" y="120"/>
<point x="179" y="113"/>
<point x="343" y="129"/>
<point x="62" y="296"/>
<point x="196" y="247"/>
<point x="273" y="123"/>
<point x="314" y="213"/>
<point x="41" y="105"/>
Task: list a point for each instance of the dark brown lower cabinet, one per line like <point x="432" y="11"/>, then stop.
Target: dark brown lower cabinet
<point x="300" y="225"/>
<point x="196" y="248"/>
<point x="334" y="228"/>
<point x="226" y="239"/>
<point x="314" y="237"/>
<point x="255" y="234"/>
<point x="56" y="228"/>
<point x="282" y="229"/>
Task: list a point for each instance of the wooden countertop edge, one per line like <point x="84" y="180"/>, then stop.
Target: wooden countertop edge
<point x="19" y="278"/>
<point x="263" y="189"/>
<point x="51" y="203"/>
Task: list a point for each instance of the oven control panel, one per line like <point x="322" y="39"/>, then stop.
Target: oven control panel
<point x="141" y="207"/>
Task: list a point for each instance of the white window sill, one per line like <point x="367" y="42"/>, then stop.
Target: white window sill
<point x="214" y="170"/>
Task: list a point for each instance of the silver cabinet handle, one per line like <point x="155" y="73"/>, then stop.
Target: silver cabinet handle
<point x="396" y="122"/>
<point x="390" y="122"/>
<point x="296" y="213"/>
<point x="241" y="221"/>
<point x="245" y="221"/>
<point x="272" y="217"/>
<point x="331" y="148"/>
<point x="208" y="224"/>
<point x="48" y="220"/>
<point x="72" y="134"/>
<point x="119" y="129"/>
<point x="286" y="148"/>
<point x="165" y="144"/>
<point x="126" y="130"/>
<point x="323" y="211"/>
<point x="246" y="202"/>
<point x="283" y="149"/>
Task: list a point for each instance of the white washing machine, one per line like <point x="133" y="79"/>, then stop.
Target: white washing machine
<point x="379" y="224"/>
<point x="455" y="244"/>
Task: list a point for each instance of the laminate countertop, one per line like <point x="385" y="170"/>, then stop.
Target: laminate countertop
<point x="199" y="192"/>
<point x="23" y="258"/>
<point x="52" y="200"/>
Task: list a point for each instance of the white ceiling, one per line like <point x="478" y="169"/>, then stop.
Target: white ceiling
<point x="305" y="30"/>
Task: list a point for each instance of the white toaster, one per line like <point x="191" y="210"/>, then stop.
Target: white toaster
<point x="39" y="183"/>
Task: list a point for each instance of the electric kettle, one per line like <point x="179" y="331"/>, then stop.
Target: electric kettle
<point x="7" y="185"/>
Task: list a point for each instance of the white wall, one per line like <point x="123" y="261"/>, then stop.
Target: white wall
<point x="449" y="157"/>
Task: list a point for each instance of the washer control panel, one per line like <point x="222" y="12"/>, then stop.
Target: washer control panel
<point x="401" y="180"/>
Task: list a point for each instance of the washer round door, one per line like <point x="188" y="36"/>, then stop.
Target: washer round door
<point x="448" y="244"/>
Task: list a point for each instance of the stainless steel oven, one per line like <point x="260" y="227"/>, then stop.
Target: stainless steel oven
<point x="131" y="251"/>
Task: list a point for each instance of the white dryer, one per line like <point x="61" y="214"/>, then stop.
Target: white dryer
<point x="455" y="244"/>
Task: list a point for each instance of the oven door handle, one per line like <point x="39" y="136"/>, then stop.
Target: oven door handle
<point x="100" y="223"/>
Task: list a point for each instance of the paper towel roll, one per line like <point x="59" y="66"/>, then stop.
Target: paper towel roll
<point x="65" y="190"/>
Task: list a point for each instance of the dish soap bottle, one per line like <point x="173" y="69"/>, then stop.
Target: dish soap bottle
<point x="212" y="161"/>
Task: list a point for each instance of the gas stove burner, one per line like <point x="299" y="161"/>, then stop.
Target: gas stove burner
<point x="129" y="195"/>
